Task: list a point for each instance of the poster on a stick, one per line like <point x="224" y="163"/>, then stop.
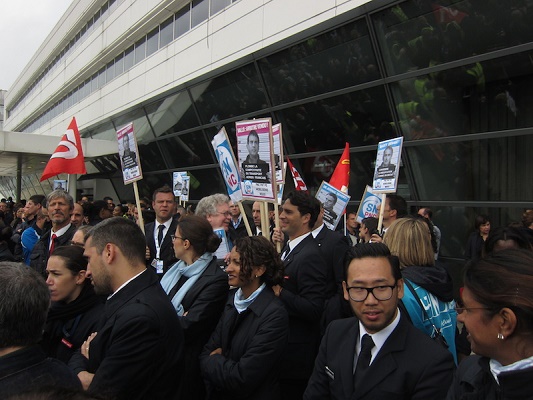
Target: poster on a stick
<point x="129" y="154"/>
<point x="387" y="166"/>
<point x="256" y="159"/>
<point x="334" y="202"/>
<point x="279" y="165"/>
<point x="228" y="165"/>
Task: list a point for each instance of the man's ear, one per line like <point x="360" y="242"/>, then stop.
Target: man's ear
<point x="110" y="253"/>
<point x="345" y="291"/>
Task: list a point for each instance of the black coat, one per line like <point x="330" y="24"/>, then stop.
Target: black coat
<point x="408" y="366"/>
<point x="474" y="381"/>
<point x="252" y="345"/>
<point x="137" y="354"/>
<point x="167" y="249"/>
<point x="41" y="250"/>
<point x="69" y="325"/>
<point x="203" y="303"/>
<point x="29" y="369"/>
<point x="303" y="295"/>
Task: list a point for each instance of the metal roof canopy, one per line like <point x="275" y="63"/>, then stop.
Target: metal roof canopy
<point x="34" y="151"/>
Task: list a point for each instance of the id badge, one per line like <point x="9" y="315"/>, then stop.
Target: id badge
<point x="159" y="266"/>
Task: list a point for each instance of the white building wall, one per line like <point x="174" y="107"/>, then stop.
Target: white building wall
<point x="238" y="31"/>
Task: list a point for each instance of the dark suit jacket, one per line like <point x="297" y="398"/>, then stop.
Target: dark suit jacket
<point x="252" y="345"/>
<point x="303" y="296"/>
<point x="408" y="366"/>
<point x="240" y="231"/>
<point x="137" y="352"/>
<point x="167" y="249"/>
<point x="203" y="303"/>
<point x="41" y="251"/>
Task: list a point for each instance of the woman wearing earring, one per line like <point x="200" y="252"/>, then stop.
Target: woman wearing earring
<point x="75" y="309"/>
<point x="241" y="358"/>
<point x="198" y="289"/>
<point x="497" y="311"/>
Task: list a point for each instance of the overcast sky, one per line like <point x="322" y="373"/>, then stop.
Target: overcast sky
<point x="24" y="24"/>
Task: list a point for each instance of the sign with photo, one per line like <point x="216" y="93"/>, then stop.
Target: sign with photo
<point x="387" y="166"/>
<point x="256" y="159"/>
<point x="129" y="154"/>
<point x="223" y="248"/>
<point x="60" y="184"/>
<point x="186" y="180"/>
<point x="279" y="166"/>
<point x="334" y="202"/>
<point x="177" y="182"/>
<point x="228" y="165"/>
<point x="369" y="205"/>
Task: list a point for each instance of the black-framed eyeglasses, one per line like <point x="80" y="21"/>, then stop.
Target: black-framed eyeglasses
<point x="174" y="237"/>
<point x="460" y="310"/>
<point x="380" y="293"/>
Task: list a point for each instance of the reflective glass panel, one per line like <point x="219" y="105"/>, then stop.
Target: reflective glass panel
<point x="152" y="42"/>
<point x="183" y="21"/>
<point x="141" y="127"/>
<point x="418" y="34"/>
<point x="172" y="114"/>
<point x="334" y="60"/>
<point x="167" y="32"/>
<point x="480" y="170"/>
<point x="187" y="150"/>
<point x="235" y="93"/>
<point x="218" y="5"/>
<point x="359" y="118"/>
<point x="151" y="159"/>
<point x="200" y="12"/>
<point x="488" y="96"/>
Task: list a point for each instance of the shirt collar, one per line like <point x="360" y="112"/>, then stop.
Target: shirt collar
<point x="60" y="231"/>
<point x="379" y="338"/>
<point x="124" y="284"/>
<point x="316" y="231"/>
<point x="296" y="241"/>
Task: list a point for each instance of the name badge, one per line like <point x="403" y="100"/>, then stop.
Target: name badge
<point x="159" y="266"/>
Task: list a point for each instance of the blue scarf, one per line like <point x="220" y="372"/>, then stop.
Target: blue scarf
<point x="193" y="272"/>
<point x="242" y="304"/>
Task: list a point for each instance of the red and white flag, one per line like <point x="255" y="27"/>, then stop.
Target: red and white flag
<point x="341" y="176"/>
<point x="68" y="157"/>
<point x="299" y="183"/>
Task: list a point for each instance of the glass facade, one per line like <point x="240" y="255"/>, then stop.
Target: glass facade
<point x="452" y="79"/>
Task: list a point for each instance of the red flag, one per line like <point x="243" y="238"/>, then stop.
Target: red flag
<point x="341" y="175"/>
<point x="299" y="183"/>
<point x="68" y="157"/>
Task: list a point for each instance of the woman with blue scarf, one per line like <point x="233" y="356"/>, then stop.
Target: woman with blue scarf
<point x="198" y="289"/>
<point x="241" y="360"/>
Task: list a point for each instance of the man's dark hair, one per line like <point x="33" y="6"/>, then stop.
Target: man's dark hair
<point x="107" y="198"/>
<point x="306" y="204"/>
<point x="371" y="224"/>
<point x="427" y="211"/>
<point x="124" y="234"/>
<point x="163" y="189"/>
<point x="24" y="303"/>
<point x="397" y="203"/>
<point x="38" y="199"/>
<point x="252" y="133"/>
<point x="372" y="250"/>
<point x="333" y="195"/>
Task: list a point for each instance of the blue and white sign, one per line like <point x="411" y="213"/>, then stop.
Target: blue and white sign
<point x="334" y="202"/>
<point x="369" y="205"/>
<point x="227" y="163"/>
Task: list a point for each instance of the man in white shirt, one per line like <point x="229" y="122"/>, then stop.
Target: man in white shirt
<point x="378" y="354"/>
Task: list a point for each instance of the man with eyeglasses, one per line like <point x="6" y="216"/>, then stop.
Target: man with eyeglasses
<point x="216" y="210"/>
<point x="379" y="354"/>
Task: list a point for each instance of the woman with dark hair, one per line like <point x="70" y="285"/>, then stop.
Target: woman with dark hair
<point x="241" y="358"/>
<point x="75" y="309"/>
<point x="497" y="310"/>
<point x="476" y="240"/>
<point x="198" y="289"/>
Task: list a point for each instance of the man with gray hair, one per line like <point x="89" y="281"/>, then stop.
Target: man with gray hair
<point x="60" y="205"/>
<point x="215" y="209"/>
<point x="24" y="303"/>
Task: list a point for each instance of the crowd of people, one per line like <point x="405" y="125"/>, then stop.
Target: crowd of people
<point x="201" y="304"/>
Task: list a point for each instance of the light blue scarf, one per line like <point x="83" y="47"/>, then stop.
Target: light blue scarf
<point x="193" y="272"/>
<point x="242" y="304"/>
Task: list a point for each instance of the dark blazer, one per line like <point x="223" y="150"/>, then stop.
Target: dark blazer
<point x="28" y="369"/>
<point x="408" y="366"/>
<point x="252" y="345"/>
<point x="167" y="249"/>
<point x="137" y="352"/>
<point x="41" y="250"/>
<point x="203" y="303"/>
<point x="303" y="296"/>
<point x="241" y="231"/>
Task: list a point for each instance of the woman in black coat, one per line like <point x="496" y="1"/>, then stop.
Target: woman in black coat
<point x="198" y="289"/>
<point x="75" y="310"/>
<point x="241" y="359"/>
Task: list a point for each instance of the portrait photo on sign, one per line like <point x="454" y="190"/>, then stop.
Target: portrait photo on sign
<point x="255" y="159"/>
<point x="128" y="153"/>
<point x="387" y="165"/>
<point x="60" y="184"/>
<point x="334" y="202"/>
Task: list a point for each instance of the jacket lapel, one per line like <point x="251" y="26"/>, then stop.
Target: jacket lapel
<point x="346" y="359"/>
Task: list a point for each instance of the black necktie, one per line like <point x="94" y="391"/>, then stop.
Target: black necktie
<point x="286" y="251"/>
<point x="160" y="234"/>
<point x="363" y="361"/>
